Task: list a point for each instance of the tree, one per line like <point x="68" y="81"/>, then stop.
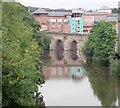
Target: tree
<point x="43" y="41"/>
<point x="101" y="42"/>
<point x="20" y="70"/>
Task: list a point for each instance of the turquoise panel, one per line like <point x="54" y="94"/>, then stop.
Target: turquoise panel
<point x="82" y="70"/>
<point x="81" y="25"/>
<point x="72" y="70"/>
<point x="75" y="70"/>
<point x="73" y="25"/>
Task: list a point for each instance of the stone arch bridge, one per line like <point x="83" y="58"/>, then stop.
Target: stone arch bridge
<point x="67" y="41"/>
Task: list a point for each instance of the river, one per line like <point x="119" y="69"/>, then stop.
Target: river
<point x="70" y="82"/>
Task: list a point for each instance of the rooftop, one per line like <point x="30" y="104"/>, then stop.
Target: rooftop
<point x="94" y="12"/>
<point x="110" y="19"/>
<point x="77" y="10"/>
<point x="104" y="8"/>
<point x="59" y="13"/>
<point x="32" y="9"/>
<point x="40" y="10"/>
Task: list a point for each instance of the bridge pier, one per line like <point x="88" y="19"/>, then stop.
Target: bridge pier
<point x="68" y="58"/>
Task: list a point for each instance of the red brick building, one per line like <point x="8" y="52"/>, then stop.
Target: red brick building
<point x="89" y="19"/>
<point x="59" y="21"/>
<point x="53" y="21"/>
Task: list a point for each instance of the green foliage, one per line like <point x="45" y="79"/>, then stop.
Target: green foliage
<point x="105" y="88"/>
<point x="114" y="67"/>
<point x="101" y="42"/>
<point x="20" y="71"/>
<point x="43" y="41"/>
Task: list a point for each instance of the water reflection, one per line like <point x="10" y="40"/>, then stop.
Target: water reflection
<point x="67" y="72"/>
<point x="70" y="83"/>
<point x="60" y="57"/>
<point x="105" y="88"/>
<point x="77" y="72"/>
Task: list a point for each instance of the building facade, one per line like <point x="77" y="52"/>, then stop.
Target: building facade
<point x="75" y="21"/>
<point x="76" y="25"/>
<point x="105" y="9"/>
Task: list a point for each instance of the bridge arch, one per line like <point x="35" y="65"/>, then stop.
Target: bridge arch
<point x="73" y="55"/>
<point x="59" y="45"/>
<point x="63" y="41"/>
<point x="59" y="54"/>
<point x="73" y="45"/>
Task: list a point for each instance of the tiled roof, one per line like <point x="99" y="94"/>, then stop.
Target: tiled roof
<point x="104" y="8"/>
<point x="40" y="10"/>
<point x="113" y="15"/>
<point x="59" y="13"/>
<point x="110" y="19"/>
<point x="92" y="13"/>
<point x="77" y="11"/>
<point x="32" y="9"/>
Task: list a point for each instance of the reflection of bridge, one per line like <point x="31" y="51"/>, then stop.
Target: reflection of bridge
<point x="67" y="58"/>
<point x="67" y="40"/>
<point x="76" y="72"/>
<point x="65" y="64"/>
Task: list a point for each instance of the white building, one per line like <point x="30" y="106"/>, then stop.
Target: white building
<point x="105" y="9"/>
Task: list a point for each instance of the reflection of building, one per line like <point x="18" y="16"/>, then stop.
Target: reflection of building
<point x="64" y="72"/>
<point x="56" y="72"/>
<point x="67" y="58"/>
<point x="77" y="71"/>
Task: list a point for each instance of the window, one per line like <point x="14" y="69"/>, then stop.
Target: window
<point x="43" y="23"/>
<point x="85" y="30"/>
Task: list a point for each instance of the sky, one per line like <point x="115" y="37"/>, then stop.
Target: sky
<point x="70" y="4"/>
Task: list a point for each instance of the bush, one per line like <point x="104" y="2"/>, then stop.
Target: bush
<point x="20" y="72"/>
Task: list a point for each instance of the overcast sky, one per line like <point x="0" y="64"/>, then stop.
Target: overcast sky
<point x="68" y="4"/>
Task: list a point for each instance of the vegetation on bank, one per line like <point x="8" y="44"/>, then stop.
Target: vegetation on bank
<point x="22" y="45"/>
<point x="105" y="88"/>
<point x="100" y="46"/>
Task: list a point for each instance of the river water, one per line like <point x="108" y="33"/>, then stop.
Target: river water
<point x="70" y="82"/>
